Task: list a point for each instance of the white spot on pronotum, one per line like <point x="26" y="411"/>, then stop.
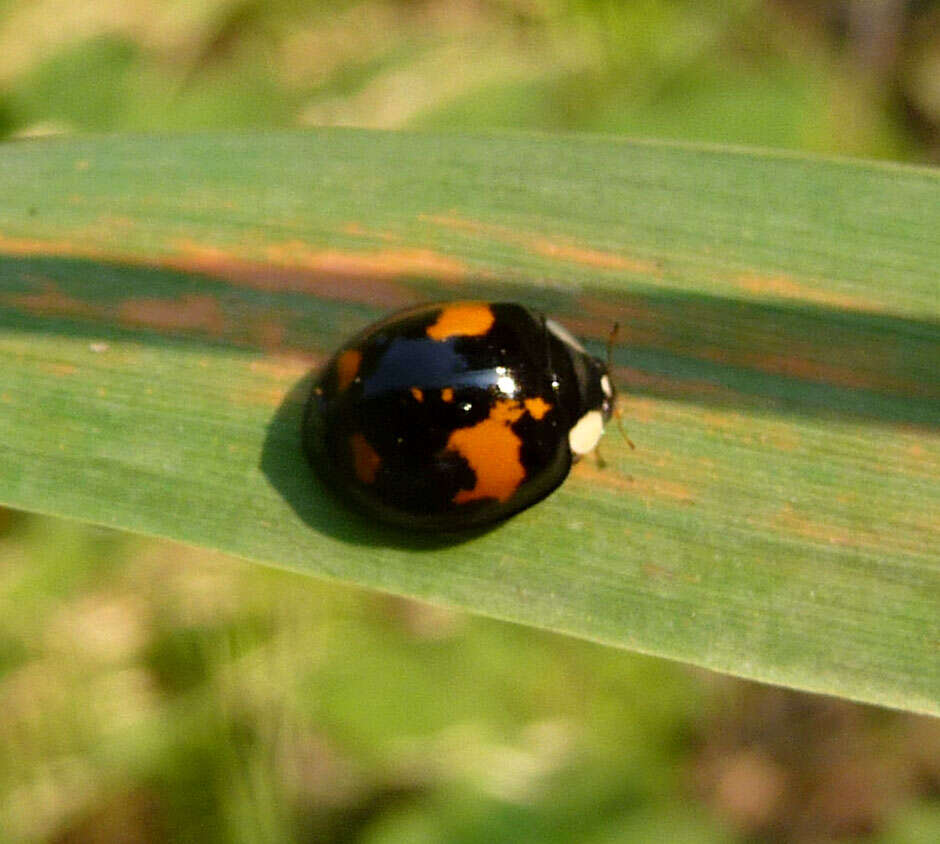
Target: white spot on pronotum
<point x="563" y="334"/>
<point x="584" y="436"/>
<point x="606" y="387"/>
<point x="98" y="348"/>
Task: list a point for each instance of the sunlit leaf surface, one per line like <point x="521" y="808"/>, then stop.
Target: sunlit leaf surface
<point x="162" y="299"/>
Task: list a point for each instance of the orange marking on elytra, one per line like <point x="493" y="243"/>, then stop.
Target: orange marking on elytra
<point x="366" y="460"/>
<point x="447" y="394"/>
<point x="537" y="407"/>
<point x="347" y="368"/>
<point x="491" y="448"/>
<point x="417" y="393"/>
<point x="464" y="319"/>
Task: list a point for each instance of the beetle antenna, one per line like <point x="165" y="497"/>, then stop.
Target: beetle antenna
<point x="612" y="337"/>
<point x="619" y="414"/>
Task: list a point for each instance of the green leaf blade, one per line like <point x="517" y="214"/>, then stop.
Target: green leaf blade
<point x="161" y="300"/>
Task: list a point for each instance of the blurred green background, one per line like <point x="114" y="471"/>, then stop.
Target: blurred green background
<point x="852" y="77"/>
<point x="152" y="693"/>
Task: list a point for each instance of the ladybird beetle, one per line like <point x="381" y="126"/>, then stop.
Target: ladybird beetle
<point x="455" y="415"/>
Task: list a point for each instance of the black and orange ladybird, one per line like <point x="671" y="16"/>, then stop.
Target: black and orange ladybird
<point x="455" y="415"/>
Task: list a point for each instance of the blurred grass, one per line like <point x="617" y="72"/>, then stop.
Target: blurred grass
<point x="297" y="706"/>
<point x="165" y="694"/>
<point x="850" y="78"/>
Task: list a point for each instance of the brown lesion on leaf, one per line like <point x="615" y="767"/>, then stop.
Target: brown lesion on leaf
<point x="596" y="258"/>
<point x="27" y="247"/>
<point x="787" y="287"/>
<point x="632" y="308"/>
<point x="539" y="244"/>
<point x="780" y="438"/>
<point x="752" y="336"/>
<point x="190" y="312"/>
<point x="792" y="523"/>
<point x="649" y="487"/>
<point x="457" y="223"/>
<point x="860" y="361"/>
<point x="355" y="229"/>
<point x="763" y="344"/>
<point x="293" y="266"/>
<point x="110" y="222"/>
<point x="368" y="277"/>
<point x="814" y="369"/>
<point x="662" y="488"/>
<point x="658" y="572"/>
<point x="726" y="420"/>
<point x="858" y="534"/>
<point x="268" y="333"/>
<point x="638" y="409"/>
<point x="630" y="378"/>
<point x="919" y="459"/>
<point x="272" y="377"/>
<point x="284" y="368"/>
<point x="386" y="263"/>
<point x="53" y="302"/>
<point x="57" y="368"/>
<point x="655" y="571"/>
